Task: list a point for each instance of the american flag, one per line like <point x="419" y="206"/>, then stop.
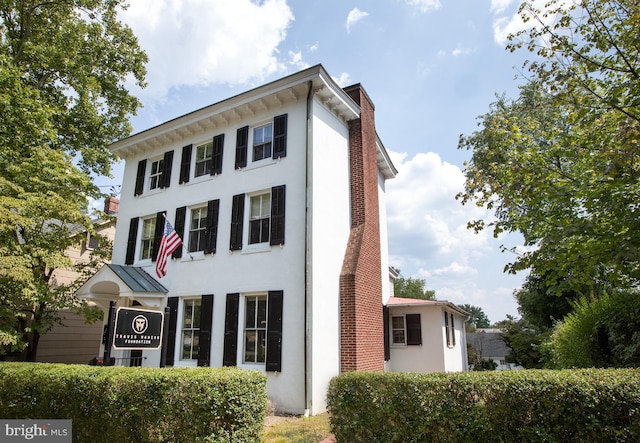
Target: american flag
<point x="169" y="243"/>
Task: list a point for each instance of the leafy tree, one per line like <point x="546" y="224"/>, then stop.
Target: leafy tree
<point x="526" y="344"/>
<point x="477" y="316"/>
<point x="543" y="305"/>
<point x="412" y="288"/>
<point x="560" y="163"/>
<point x="63" y="67"/>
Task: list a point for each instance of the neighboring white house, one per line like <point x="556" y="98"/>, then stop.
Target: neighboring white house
<point x="425" y="336"/>
<point x="279" y="196"/>
<point x="489" y="345"/>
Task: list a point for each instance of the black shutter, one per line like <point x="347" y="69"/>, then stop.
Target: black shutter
<point x="280" y="136"/>
<point x="211" y="231"/>
<point x="446" y="328"/>
<point x="386" y="332"/>
<point x="172" y="303"/>
<point x="185" y="164"/>
<point x="142" y="169"/>
<point x="216" y="155"/>
<point x="414" y="329"/>
<point x="230" y="351"/>
<point x="204" y="340"/>
<point x="157" y="237"/>
<point x="179" y="228"/>
<point x="237" y="214"/>
<point x="167" y="164"/>
<point x="242" y="140"/>
<point x="131" y="241"/>
<point x="453" y="332"/>
<point x="277" y="215"/>
<point x="274" y="332"/>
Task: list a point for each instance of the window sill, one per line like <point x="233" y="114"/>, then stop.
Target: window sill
<point x="192" y="256"/>
<point x="253" y="249"/>
<point x="260" y="164"/>
<point x="199" y="179"/>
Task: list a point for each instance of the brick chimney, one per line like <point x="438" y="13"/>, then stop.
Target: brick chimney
<point x="361" y="328"/>
<point x="111" y="205"/>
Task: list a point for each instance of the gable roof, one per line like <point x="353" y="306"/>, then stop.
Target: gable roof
<point x="121" y="281"/>
<point x="488" y="344"/>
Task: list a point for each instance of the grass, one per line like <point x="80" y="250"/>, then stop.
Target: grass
<point x="297" y="430"/>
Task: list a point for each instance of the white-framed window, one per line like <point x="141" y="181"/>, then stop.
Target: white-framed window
<point x="147" y="237"/>
<point x="155" y="174"/>
<point x="197" y="228"/>
<point x="190" y="336"/>
<point x="203" y="160"/>
<point x="259" y="218"/>
<point x="262" y="141"/>
<point x="398" y="330"/>
<point x="255" y="329"/>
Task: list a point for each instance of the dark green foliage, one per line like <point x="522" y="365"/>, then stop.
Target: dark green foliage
<point x="118" y="404"/>
<point x="602" y="332"/>
<point x="412" y="288"/>
<point x="499" y="406"/>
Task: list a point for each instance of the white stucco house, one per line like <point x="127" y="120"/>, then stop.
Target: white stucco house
<point x="278" y="195"/>
<point x="425" y="336"/>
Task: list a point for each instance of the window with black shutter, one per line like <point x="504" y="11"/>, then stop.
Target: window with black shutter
<point x="216" y="155"/>
<point x="142" y="169"/>
<point x="181" y="213"/>
<point x="242" y="139"/>
<point x="206" y="320"/>
<point x="211" y="230"/>
<point x="446" y="328"/>
<point x="274" y="332"/>
<point x="185" y="164"/>
<point x="167" y="164"/>
<point x="280" y="136"/>
<point x="131" y="241"/>
<point x="172" y="303"/>
<point x="230" y="350"/>
<point x="277" y="215"/>
<point x="414" y="329"/>
<point x="158" y="234"/>
<point x="237" y="215"/>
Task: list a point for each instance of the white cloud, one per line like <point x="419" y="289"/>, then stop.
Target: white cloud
<point x="343" y="80"/>
<point x="355" y="15"/>
<point x="203" y="42"/>
<point x="295" y="59"/>
<point x="460" y="50"/>
<point x="505" y="24"/>
<point x="498" y="6"/>
<point x="425" y="5"/>
<point x="428" y="236"/>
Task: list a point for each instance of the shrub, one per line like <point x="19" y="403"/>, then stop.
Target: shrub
<point x="602" y="332"/>
<point x="108" y="404"/>
<point x="533" y="405"/>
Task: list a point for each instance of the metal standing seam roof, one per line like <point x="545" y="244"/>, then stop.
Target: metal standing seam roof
<point x="137" y="279"/>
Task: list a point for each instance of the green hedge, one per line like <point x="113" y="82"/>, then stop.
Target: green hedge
<point x="109" y="404"/>
<point x="590" y="405"/>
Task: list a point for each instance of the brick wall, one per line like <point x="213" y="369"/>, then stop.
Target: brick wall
<point x="361" y="338"/>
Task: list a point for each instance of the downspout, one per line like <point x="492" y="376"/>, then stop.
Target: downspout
<point x="307" y="313"/>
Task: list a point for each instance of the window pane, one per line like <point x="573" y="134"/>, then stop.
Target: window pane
<point x="261" y="351"/>
<point x="398" y="336"/>
<point x="250" y="315"/>
<point x="250" y="346"/>
<point x="187" y="341"/>
<point x="262" y="313"/>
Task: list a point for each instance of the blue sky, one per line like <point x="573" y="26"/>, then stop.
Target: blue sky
<point x="431" y="68"/>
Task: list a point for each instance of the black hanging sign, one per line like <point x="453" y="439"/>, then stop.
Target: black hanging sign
<point x="138" y="329"/>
